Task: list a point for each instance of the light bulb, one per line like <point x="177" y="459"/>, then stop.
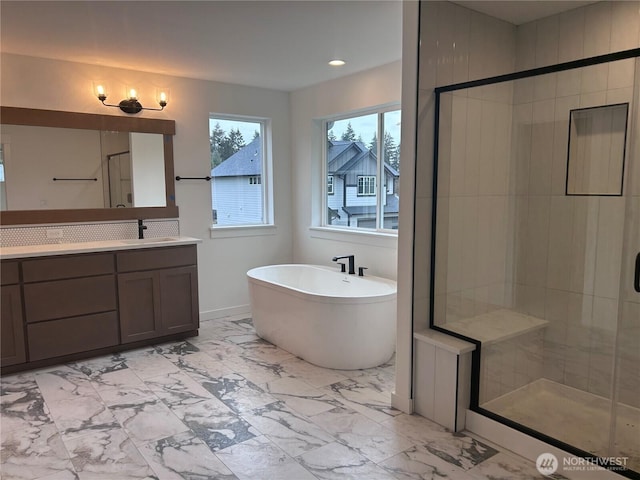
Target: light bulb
<point x="100" y="91"/>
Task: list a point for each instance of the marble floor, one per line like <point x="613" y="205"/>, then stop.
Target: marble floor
<point x="226" y="405"/>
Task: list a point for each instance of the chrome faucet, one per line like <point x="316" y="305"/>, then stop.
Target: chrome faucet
<point x="141" y="229"/>
<point x="352" y="263"/>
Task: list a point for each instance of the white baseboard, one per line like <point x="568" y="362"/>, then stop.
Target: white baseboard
<point x="530" y="447"/>
<point x="225" y="312"/>
<point x="401" y="403"/>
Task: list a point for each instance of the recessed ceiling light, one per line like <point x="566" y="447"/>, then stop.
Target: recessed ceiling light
<point x="337" y="63"/>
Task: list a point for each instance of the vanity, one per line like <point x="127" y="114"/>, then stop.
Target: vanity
<point x="63" y="302"/>
<point x="75" y="299"/>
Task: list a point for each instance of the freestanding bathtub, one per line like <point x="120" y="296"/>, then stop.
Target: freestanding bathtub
<point x="327" y="318"/>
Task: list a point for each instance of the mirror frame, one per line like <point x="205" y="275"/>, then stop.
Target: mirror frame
<point x="91" y="121"/>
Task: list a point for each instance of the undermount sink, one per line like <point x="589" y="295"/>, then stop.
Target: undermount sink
<point x="137" y="241"/>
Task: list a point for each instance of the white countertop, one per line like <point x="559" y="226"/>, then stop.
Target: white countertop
<point x="88" y="247"/>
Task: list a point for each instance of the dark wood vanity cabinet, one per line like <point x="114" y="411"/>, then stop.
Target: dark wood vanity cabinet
<point x="154" y="301"/>
<point x="12" y="347"/>
<point x="64" y="307"/>
<point x="70" y="304"/>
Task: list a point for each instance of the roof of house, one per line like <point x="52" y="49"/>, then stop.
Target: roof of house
<point x="245" y="162"/>
<point x="338" y="147"/>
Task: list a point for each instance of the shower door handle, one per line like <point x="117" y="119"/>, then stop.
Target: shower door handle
<point x="636" y="279"/>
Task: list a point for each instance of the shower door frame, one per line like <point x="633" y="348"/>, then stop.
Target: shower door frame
<point x="476" y="354"/>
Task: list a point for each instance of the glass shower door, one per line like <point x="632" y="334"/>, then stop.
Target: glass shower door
<point x="537" y="232"/>
<point x="625" y="425"/>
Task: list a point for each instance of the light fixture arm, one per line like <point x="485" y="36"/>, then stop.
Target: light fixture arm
<point x="131" y="105"/>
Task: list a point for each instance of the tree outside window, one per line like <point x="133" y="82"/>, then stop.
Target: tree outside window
<point x="237" y="170"/>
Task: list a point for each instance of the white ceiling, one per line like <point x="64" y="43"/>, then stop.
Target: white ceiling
<point x="522" y="11"/>
<point x="282" y="45"/>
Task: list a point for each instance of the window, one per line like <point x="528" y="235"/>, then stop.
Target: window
<point x="354" y="169"/>
<point x="329" y="184"/>
<point x="366" y="185"/>
<point x="238" y="166"/>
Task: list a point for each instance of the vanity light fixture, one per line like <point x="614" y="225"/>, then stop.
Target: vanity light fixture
<point x="131" y="104"/>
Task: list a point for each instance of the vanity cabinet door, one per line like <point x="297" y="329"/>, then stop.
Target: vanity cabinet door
<point x="140" y="307"/>
<point x="12" y="345"/>
<point x="179" y="298"/>
<point x="156" y="303"/>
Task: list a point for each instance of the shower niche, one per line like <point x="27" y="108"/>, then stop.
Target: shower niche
<point x="536" y="231"/>
<point x="597" y="140"/>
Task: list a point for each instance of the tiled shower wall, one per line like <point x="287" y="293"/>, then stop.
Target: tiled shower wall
<point x="457" y="45"/>
<point x="568" y="248"/>
<point x="86" y="232"/>
<point x="510" y="364"/>
<point x="474" y="201"/>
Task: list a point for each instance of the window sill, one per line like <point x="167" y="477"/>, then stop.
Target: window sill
<point x="374" y="238"/>
<point x="242" y="231"/>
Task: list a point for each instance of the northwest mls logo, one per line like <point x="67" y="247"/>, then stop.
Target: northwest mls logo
<point x="547" y="463"/>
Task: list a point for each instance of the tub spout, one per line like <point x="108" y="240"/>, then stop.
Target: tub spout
<point x="352" y="262"/>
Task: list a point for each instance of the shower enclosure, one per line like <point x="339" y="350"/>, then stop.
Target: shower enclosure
<point x="537" y="248"/>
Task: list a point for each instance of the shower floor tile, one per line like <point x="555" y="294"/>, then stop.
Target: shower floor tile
<point x="224" y="405"/>
<point x="572" y="416"/>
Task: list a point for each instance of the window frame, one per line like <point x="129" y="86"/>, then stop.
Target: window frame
<point x="380" y="172"/>
<point x="367" y="185"/>
<point x="266" y="175"/>
<point x="330" y="191"/>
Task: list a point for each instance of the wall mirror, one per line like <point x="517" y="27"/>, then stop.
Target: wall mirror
<point x="75" y="167"/>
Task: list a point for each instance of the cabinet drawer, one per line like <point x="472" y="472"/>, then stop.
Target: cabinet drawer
<point x="67" y="298"/>
<point x="43" y="269"/>
<point x="156" y="258"/>
<point x="9" y="273"/>
<point x="72" y="335"/>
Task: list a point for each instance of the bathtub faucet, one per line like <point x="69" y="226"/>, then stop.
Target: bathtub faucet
<point x="352" y="263"/>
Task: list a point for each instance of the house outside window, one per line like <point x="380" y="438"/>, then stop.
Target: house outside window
<point x="354" y="170"/>
<point x="239" y="192"/>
